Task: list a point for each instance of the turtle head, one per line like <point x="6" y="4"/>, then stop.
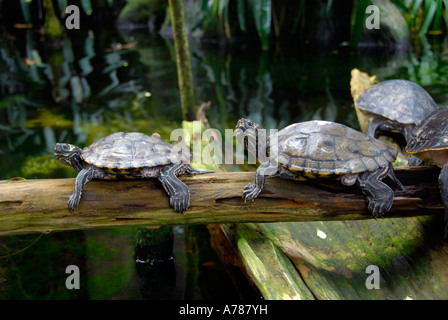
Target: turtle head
<point x="69" y="154"/>
<point x="248" y="125"/>
<point x="252" y="136"/>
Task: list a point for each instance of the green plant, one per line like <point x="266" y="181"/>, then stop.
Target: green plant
<point x="258" y="11"/>
<point x="433" y="14"/>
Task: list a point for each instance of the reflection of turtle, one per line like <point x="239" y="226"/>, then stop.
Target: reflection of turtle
<point x="323" y="149"/>
<point x="393" y="106"/>
<point x="129" y="155"/>
<point x="429" y="142"/>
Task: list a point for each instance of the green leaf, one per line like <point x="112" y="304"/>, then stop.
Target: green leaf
<point x="76" y="86"/>
<point x="328" y="8"/>
<point x="358" y="25"/>
<point x="62" y="4"/>
<point x="202" y="17"/>
<point x="437" y="25"/>
<point x="407" y="3"/>
<point x="414" y="11"/>
<point x="445" y="12"/>
<point x="241" y="10"/>
<point x="85" y="88"/>
<point x="215" y="6"/>
<point x="430" y="10"/>
<point x="299" y="16"/>
<point x="261" y="11"/>
<point x="416" y="6"/>
<point x="221" y="7"/>
<point x="401" y="5"/>
<point x="87" y="6"/>
<point x="25" y="10"/>
<point x="227" y="21"/>
<point x="204" y="6"/>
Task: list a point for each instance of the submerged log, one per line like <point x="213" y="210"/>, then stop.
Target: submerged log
<point x="41" y="205"/>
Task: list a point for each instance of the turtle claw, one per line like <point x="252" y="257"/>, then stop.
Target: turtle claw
<point x="251" y="191"/>
<point x="376" y="211"/>
<point x="180" y="203"/>
<point x="378" y="206"/>
<point x="379" y="196"/>
<point x="73" y="202"/>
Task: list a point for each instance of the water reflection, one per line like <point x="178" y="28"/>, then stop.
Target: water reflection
<point x="81" y="92"/>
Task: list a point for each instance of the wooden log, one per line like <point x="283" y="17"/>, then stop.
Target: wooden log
<point x="41" y="205"/>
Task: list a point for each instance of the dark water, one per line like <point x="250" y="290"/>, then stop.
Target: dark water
<point x="89" y="87"/>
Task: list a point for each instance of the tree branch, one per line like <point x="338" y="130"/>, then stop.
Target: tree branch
<point x="41" y="205"/>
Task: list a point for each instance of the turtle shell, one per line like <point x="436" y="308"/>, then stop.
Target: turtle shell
<point x="399" y="100"/>
<point x="127" y="151"/>
<point x="326" y="148"/>
<point x="431" y="133"/>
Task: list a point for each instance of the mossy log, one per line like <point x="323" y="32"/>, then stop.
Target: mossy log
<point x="41" y="205"/>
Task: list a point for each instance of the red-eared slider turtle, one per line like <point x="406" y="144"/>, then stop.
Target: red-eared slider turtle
<point x="429" y="142"/>
<point x="129" y="155"/>
<point x="323" y="149"/>
<point x="393" y="106"/>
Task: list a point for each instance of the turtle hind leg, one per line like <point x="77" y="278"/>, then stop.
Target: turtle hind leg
<point x="379" y="195"/>
<point x="84" y="176"/>
<point x="176" y="189"/>
<point x="253" y="189"/>
<point x="443" y="185"/>
<point x="190" y="170"/>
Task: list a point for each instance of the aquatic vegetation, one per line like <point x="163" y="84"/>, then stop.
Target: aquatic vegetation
<point x="44" y="166"/>
<point x="433" y="15"/>
<point x="48" y="118"/>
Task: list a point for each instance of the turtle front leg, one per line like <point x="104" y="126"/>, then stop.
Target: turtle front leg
<point x="84" y="176"/>
<point x="176" y="189"/>
<point x="253" y="189"/>
<point x="379" y="196"/>
<point x="443" y="185"/>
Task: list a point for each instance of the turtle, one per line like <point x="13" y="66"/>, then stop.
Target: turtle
<point x="320" y="149"/>
<point x="123" y="155"/>
<point x="429" y="142"/>
<point x="393" y="106"/>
